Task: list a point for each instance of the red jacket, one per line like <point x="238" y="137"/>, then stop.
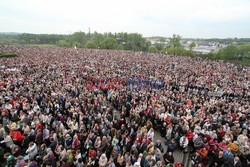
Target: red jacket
<point x="16" y="136"/>
<point x="190" y="135"/>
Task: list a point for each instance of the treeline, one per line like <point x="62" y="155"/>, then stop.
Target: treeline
<point x="26" y="38"/>
<point x="233" y="53"/>
<point x="123" y="41"/>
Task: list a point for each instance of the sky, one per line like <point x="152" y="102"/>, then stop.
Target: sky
<point x="188" y="18"/>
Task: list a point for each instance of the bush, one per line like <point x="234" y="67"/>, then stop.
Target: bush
<point x="178" y="51"/>
<point x="90" y="45"/>
<point x="63" y="43"/>
<point x="77" y="44"/>
<point x="109" y="43"/>
<point x="153" y="49"/>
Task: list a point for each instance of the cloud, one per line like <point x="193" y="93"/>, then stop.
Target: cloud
<point x="192" y="18"/>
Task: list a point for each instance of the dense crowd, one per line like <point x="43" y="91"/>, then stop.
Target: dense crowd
<point x="48" y="117"/>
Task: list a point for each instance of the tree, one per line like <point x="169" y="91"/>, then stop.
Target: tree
<point x="192" y="45"/>
<point x="77" y="44"/>
<point x="109" y="43"/>
<point x="120" y="47"/>
<point x="90" y="45"/>
<point x="80" y="37"/>
<point x="98" y="39"/>
<point x="175" y="41"/>
<point x="162" y="39"/>
<point x="245" y="51"/>
<point x="63" y="43"/>
<point x="229" y="53"/>
<point x="153" y="49"/>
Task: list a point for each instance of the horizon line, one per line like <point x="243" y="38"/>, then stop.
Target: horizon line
<point x="9" y="32"/>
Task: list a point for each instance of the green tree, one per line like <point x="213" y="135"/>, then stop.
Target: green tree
<point x="120" y="47"/>
<point x="153" y="49"/>
<point x="245" y="52"/>
<point x="175" y="41"/>
<point x="229" y="53"/>
<point x="98" y="39"/>
<point x="80" y="37"/>
<point x="77" y="44"/>
<point x="192" y="45"/>
<point x="90" y="45"/>
<point x="63" y="43"/>
<point x="109" y="43"/>
<point x="161" y="44"/>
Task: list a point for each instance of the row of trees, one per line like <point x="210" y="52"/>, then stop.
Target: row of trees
<point x="233" y="53"/>
<point x="26" y="38"/>
<point x="124" y="41"/>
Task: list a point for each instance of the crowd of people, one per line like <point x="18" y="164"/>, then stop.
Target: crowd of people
<point x="48" y="117"/>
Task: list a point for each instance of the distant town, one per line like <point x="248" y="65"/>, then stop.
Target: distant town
<point x="201" y="46"/>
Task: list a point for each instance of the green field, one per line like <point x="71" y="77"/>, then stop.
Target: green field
<point x="7" y="55"/>
<point x="43" y="45"/>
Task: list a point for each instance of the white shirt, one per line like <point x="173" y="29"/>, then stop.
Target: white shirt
<point x="183" y="142"/>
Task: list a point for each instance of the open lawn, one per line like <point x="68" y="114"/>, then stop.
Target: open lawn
<point x="7" y="55"/>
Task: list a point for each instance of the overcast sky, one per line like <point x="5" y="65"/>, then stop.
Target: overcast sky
<point x="189" y="18"/>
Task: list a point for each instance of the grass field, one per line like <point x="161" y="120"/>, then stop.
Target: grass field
<point x="7" y="55"/>
<point x="43" y="45"/>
